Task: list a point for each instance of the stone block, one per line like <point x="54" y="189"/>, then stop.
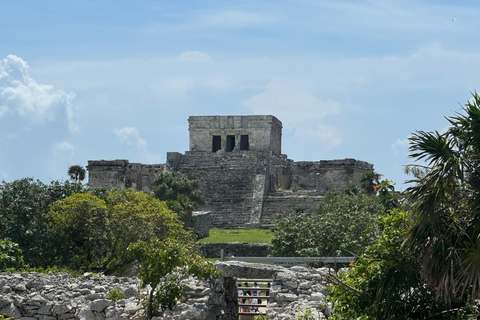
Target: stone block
<point x="100" y="304"/>
<point x="59" y="309"/>
<point x="11" y="311"/>
<point x="85" y="314"/>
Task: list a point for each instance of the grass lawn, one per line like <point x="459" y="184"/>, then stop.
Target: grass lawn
<point x="239" y="235"/>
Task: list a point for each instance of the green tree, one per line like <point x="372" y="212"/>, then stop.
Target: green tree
<point x="344" y="224"/>
<point x="163" y="264"/>
<point x="91" y="232"/>
<point x="76" y="173"/>
<point x="23" y="204"/>
<point x="445" y="202"/>
<point x="10" y="255"/>
<point x="385" y="282"/>
<point x="134" y="217"/>
<point x="79" y="224"/>
<point x="181" y="194"/>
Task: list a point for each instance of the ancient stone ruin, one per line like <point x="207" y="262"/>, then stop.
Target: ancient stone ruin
<point x="246" y="179"/>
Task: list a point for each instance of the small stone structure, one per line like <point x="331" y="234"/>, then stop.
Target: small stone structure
<point x="246" y="180"/>
<point x="200" y="223"/>
<point x="34" y="296"/>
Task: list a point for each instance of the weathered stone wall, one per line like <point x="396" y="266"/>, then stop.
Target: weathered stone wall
<point x="107" y="173"/>
<point x="229" y="182"/>
<point x="122" y="173"/>
<point x="329" y="174"/>
<point x="264" y="132"/>
<point x="236" y="249"/>
<point x="33" y="296"/>
<point x="200" y="223"/>
<point x="281" y="203"/>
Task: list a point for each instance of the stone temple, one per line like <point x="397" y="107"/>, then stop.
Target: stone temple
<point x="246" y="180"/>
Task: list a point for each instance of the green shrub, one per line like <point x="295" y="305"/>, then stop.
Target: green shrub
<point x="10" y="255"/>
<point x="116" y="294"/>
<point x="307" y="315"/>
<point x="344" y="224"/>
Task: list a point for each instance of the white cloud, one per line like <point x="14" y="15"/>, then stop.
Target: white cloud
<point x="291" y="102"/>
<point x="37" y="102"/>
<point x="300" y="111"/>
<point x="63" y="149"/>
<point x="325" y="135"/>
<point x="196" y="56"/>
<point x="400" y="145"/>
<point x="131" y="137"/>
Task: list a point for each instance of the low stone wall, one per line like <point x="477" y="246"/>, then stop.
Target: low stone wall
<point x="235" y="249"/>
<point x="34" y="296"/>
<point x="282" y="203"/>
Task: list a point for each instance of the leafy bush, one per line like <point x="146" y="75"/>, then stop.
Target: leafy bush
<point x="23" y="205"/>
<point x="344" y="224"/>
<point x="79" y="225"/>
<point x="10" y="255"/>
<point x="385" y="283"/>
<point x="307" y="315"/>
<point x="115" y="294"/>
<point x="133" y="217"/>
<point x="181" y="194"/>
<point x="163" y="264"/>
<point x="95" y="233"/>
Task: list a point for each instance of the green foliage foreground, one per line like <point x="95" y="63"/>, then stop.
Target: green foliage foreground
<point x="385" y="282"/>
<point x="426" y="262"/>
<point x="445" y="205"/>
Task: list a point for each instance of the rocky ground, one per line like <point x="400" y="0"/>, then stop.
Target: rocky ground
<point x="36" y="296"/>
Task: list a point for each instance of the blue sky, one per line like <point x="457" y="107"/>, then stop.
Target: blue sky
<point x="82" y="80"/>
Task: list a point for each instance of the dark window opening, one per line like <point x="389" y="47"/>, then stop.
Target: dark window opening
<point x="230" y="143"/>
<point x="216" y="143"/>
<point x="244" y="142"/>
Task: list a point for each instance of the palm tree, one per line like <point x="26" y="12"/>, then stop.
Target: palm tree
<point x="445" y="202"/>
<point x="76" y="173"/>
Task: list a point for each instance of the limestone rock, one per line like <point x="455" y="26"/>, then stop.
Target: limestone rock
<point x="59" y="309"/>
<point x="11" y="311"/>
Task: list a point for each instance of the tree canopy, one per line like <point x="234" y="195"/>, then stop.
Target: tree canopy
<point x="76" y="173"/>
<point x="181" y="194"/>
<point x="344" y="224"/>
<point x="445" y="204"/>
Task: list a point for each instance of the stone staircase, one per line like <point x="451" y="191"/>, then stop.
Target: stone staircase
<point x="230" y="182"/>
